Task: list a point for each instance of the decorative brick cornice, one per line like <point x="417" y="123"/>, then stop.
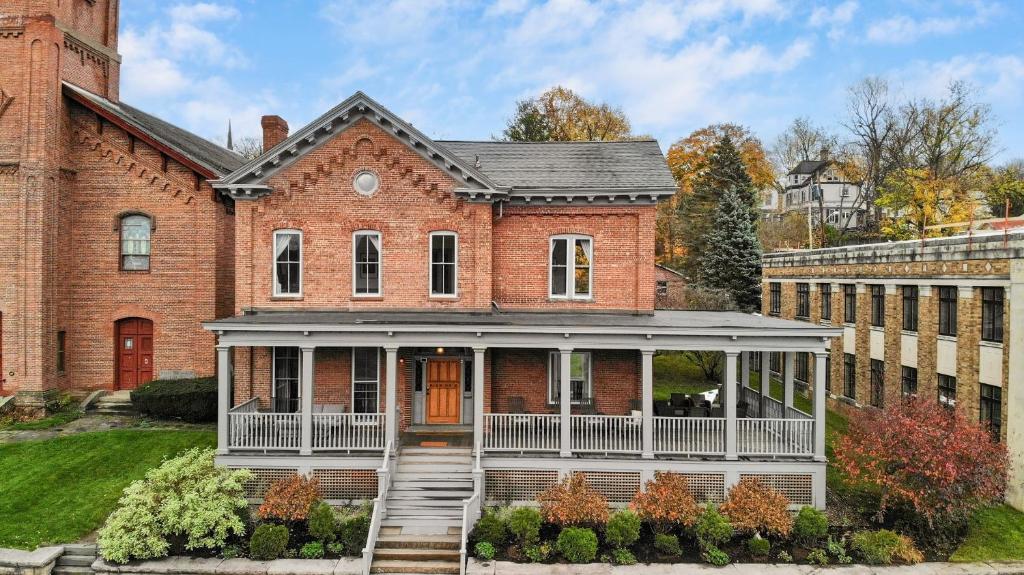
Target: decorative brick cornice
<point x="11" y="31"/>
<point x="87" y="53"/>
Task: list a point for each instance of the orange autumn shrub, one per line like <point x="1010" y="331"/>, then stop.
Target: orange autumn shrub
<point x="666" y="502"/>
<point x="753" y="507"/>
<point x="290" y="499"/>
<point x="573" y="503"/>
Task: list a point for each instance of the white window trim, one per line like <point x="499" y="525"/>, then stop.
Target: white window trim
<point x="380" y="264"/>
<point x="430" y="265"/>
<point x="570" y="278"/>
<point x="273" y="264"/>
<point x="273" y="375"/>
<point x="590" y="375"/>
<point x="352" y="379"/>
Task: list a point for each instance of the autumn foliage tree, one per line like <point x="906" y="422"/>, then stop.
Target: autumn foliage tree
<point x="561" y="115"/>
<point x="754" y="508"/>
<point x="925" y="457"/>
<point x="666" y="502"/>
<point x="573" y="503"/>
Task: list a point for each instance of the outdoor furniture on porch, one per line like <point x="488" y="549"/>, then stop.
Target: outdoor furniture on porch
<point x="332" y="429"/>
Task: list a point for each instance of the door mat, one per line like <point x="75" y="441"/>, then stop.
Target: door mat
<point x="433" y="444"/>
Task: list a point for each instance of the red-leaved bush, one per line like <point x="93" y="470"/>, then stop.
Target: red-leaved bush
<point x="572" y="502"/>
<point x="290" y="499"/>
<point x="924" y="456"/>
<point x="666" y="502"/>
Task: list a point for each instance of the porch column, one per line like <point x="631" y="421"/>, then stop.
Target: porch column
<point x="391" y="397"/>
<point x="729" y="399"/>
<point x="647" y="401"/>
<point x="306" y="392"/>
<point x="766" y="381"/>
<point x="819" y="404"/>
<point x="565" y="400"/>
<point x="745" y="368"/>
<point x="223" y="396"/>
<point x="787" y="383"/>
<point x="478" y="397"/>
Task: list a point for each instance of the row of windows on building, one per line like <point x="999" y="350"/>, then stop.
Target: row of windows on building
<point x="570" y="258"/>
<point x="992" y="299"/>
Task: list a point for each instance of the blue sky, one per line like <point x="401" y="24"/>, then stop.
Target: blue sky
<point x="455" y="68"/>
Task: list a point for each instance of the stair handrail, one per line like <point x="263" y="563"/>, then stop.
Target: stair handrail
<point x="379" y="507"/>
<point x="471" y="508"/>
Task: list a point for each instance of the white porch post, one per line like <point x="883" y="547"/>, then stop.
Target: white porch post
<point x="223" y="396"/>
<point x="478" y="397"/>
<point x="306" y="385"/>
<point x="819" y="405"/>
<point x="745" y="368"/>
<point x="766" y="380"/>
<point x="647" y="401"/>
<point x="787" y="383"/>
<point x="391" y="397"/>
<point x="565" y="400"/>
<point x="729" y="397"/>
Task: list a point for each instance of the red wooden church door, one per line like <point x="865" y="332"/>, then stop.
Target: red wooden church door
<point x="134" y="352"/>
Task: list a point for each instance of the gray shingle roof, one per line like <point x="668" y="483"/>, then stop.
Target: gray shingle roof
<point x="217" y="159"/>
<point x="807" y="167"/>
<point x="635" y="164"/>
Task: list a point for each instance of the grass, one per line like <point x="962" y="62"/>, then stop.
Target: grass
<point x="55" y="420"/>
<point x="996" y="534"/>
<point x="59" y="490"/>
<point x="676" y="373"/>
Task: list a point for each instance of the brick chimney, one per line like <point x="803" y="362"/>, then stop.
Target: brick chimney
<point x="275" y="131"/>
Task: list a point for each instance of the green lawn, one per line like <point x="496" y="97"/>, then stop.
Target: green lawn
<point x="675" y="373"/>
<point x="54" y="420"/>
<point x="997" y="534"/>
<point x="58" y="490"/>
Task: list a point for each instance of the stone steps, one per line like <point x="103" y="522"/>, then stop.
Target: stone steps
<point x="76" y="560"/>
<point x="116" y="403"/>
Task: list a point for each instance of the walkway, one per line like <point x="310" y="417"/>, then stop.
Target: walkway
<point x="95" y="422"/>
<point x="507" y="568"/>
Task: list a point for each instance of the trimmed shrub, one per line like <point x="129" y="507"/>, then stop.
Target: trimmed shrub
<point x="538" y="553"/>
<point x="524" y="523"/>
<point x="573" y="503"/>
<point x="577" y="544"/>
<point x="268" y="542"/>
<point x="883" y="546"/>
<point x="289" y="499"/>
<point x="623" y="529"/>
<point x="810" y="526"/>
<point x="753" y="507"/>
<point x="322" y="525"/>
<point x="312" y="550"/>
<point x="818" y="557"/>
<point x="667" y="544"/>
<point x="353" y="531"/>
<point x="715" y="556"/>
<point x="336" y="549"/>
<point x="484" y="551"/>
<point x="231" y="552"/>
<point x="758" y="546"/>
<point x="186" y="499"/>
<point x="712" y="528"/>
<point x="192" y="400"/>
<point x="666" y="502"/>
<point x="490" y="528"/>
<point x="623" y="557"/>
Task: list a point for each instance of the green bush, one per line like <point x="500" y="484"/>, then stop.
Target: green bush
<point x="759" y="547"/>
<point x="577" y="544"/>
<point x="623" y="529"/>
<point x="882" y="546"/>
<point x="715" y="556"/>
<point x="623" y="557"/>
<point x="491" y="528"/>
<point x="353" y="530"/>
<point x="336" y="549"/>
<point x="784" y="557"/>
<point x="268" y="542"/>
<point x="524" y="523"/>
<point x="810" y="526"/>
<point x="667" y="544"/>
<point x="712" y="528"/>
<point x="484" y="551"/>
<point x="231" y="552"/>
<point x="322" y="525"/>
<point x="312" y="550"/>
<point x="187" y="499"/>
<point x="838" y="550"/>
<point x="193" y="400"/>
<point x="818" y="557"/>
<point x="538" y="553"/>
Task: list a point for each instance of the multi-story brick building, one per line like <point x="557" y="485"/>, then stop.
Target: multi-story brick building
<point x="935" y="318"/>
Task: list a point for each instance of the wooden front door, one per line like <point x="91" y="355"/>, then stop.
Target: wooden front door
<point x="444" y="390"/>
<point x="134" y="352"/>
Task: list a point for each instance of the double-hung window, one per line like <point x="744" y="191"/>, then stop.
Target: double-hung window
<point x="775" y="362"/>
<point x="286" y="390"/>
<point x="910" y="304"/>
<point x="990" y="409"/>
<point x="365" y="379"/>
<point x="947" y="390"/>
<point x="775" y="298"/>
<point x="908" y="381"/>
<point x="579" y="377"/>
<point x="850" y="376"/>
<point x="877" y="383"/>
<point x="136" y="234"/>
<point x="803" y="300"/>
<point x="287" y="263"/>
<point x="444" y="264"/>
<point x="947" y="310"/>
<point x="366" y="264"/>
<point x="878" y="305"/>
<point x="826" y="301"/>
<point x="571" y="259"/>
<point x="992" y="314"/>
<point x="850" y="303"/>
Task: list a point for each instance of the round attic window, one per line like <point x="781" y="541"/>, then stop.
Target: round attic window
<point x="365" y="182"/>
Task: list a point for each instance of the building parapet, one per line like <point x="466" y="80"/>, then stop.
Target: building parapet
<point x="966" y="247"/>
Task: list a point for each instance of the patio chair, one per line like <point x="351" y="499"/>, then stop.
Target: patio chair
<point x="636" y="405"/>
<point x="698" y="411"/>
<point x="517" y="405"/>
<point x="678" y="400"/>
<point x="587" y="406"/>
<point x="332" y="408"/>
<point x="663" y="409"/>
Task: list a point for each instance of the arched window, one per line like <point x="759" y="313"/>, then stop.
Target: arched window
<point x="136" y="231"/>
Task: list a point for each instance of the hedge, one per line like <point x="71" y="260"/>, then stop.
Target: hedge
<point x="192" y="400"/>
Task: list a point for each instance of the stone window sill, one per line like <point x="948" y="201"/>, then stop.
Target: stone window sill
<point x="878" y="328"/>
<point x="286" y="298"/>
<point x="848" y="324"/>
<point x="992" y="344"/>
<point x="941" y="337"/>
<point x="827" y="322"/>
<point x="908" y="332"/>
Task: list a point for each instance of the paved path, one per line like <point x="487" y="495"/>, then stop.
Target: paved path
<point x="95" y="422"/>
<point x="507" y="568"/>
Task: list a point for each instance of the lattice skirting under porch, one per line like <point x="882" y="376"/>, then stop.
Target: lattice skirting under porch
<point x="797" y="487"/>
<point x="335" y="484"/>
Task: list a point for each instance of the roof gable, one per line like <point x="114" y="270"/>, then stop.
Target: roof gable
<point x="251" y="180"/>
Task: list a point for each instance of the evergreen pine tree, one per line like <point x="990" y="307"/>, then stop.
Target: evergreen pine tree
<point x="725" y="171"/>
<point x="733" y="260"/>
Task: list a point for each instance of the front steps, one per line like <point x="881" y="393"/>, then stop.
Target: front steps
<point x="116" y="403"/>
<point x="421" y="533"/>
<point x="76" y="560"/>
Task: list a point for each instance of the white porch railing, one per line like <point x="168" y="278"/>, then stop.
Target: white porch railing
<point x="787" y="437"/>
<point x="794" y="413"/>
<point x="773" y="409"/>
<point x="348" y="431"/>
<point x="471" y="509"/>
<point x="521" y="432"/>
<point x="753" y="399"/>
<point x="264" y="431"/>
<point x="605" y="433"/>
<point x="689" y="435"/>
<point x="379" y="507"/>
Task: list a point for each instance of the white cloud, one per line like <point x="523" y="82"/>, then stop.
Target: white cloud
<point x="835" y="19"/>
<point x="506" y="7"/>
<point x="998" y="78"/>
<point x="903" y="29"/>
